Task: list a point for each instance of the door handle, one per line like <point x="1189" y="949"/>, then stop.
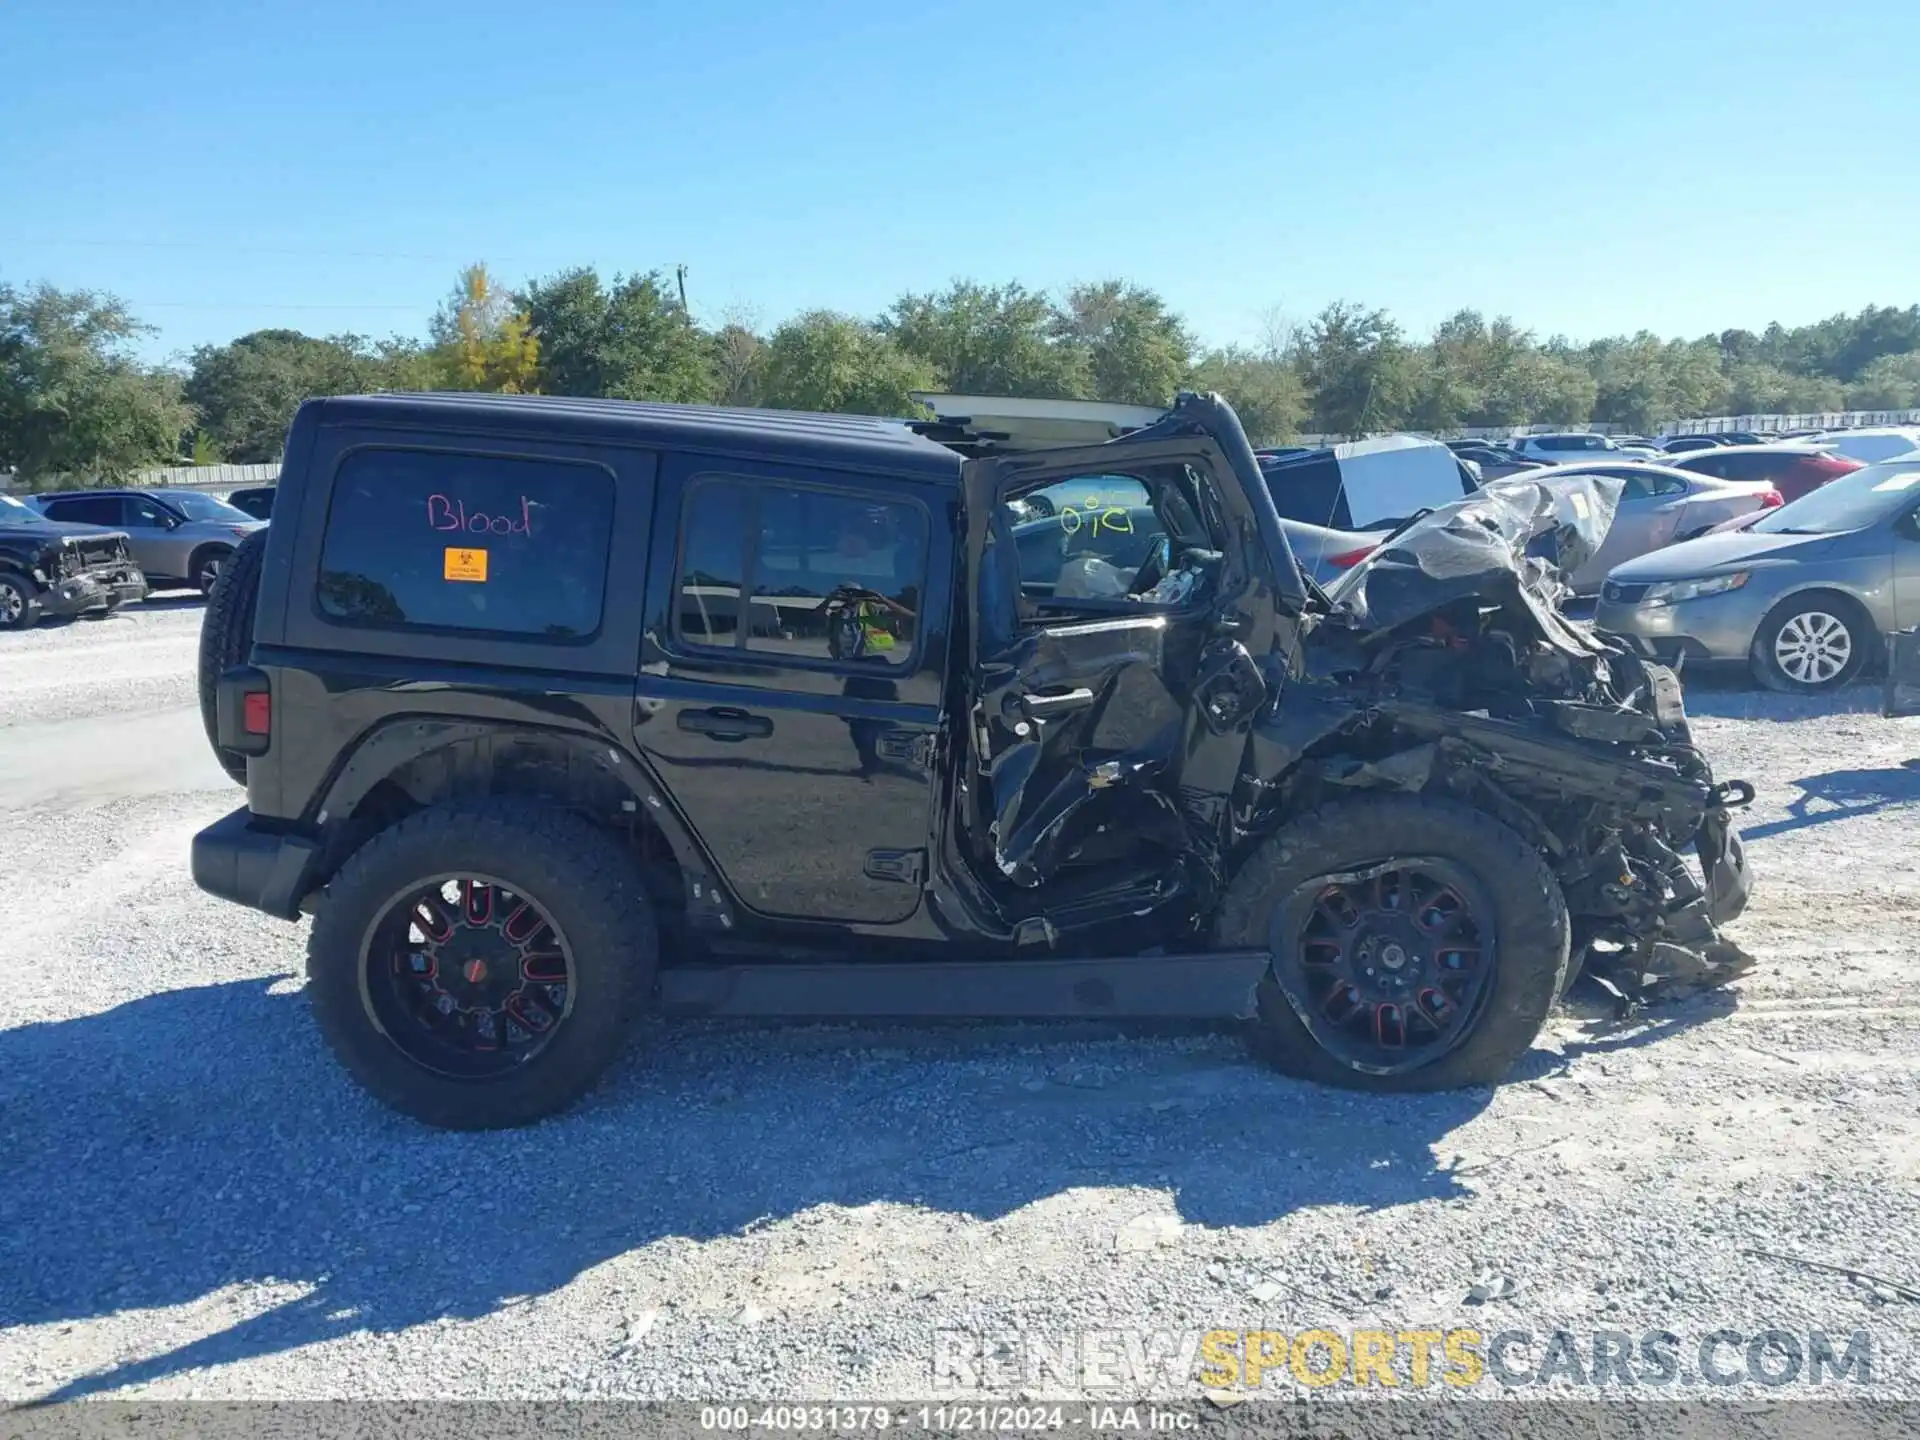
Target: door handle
<point x="725" y="723"/>
<point x="1040" y="707"/>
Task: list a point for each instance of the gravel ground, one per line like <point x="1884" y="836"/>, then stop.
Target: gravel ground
<point x="198" y="1203"/>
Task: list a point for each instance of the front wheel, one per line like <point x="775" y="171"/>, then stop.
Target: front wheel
<point x="207" y="566"/>
<point x="475" y="966"/>
<point x="1417" y="944"/>
<point x="1811" y="643"/>
<point x="18" y="609"/>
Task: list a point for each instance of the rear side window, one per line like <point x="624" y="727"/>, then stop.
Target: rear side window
<point x="1756" y="467"/>
<point x="808" y="574"/>
<point x="429" y="539"/>
<point x="1708" y="463"/>
<point x="86" y="510"/>
<point x="1309" y="492"/>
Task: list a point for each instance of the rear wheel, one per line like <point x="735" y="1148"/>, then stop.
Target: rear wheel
<point x="475" y="966"/>
<point x="1417" y="944"/>
<point x="1811" y="643"/>
<point x="226" y="635"/>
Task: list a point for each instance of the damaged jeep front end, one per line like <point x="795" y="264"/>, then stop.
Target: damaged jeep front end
<point x="1443" y="665"/>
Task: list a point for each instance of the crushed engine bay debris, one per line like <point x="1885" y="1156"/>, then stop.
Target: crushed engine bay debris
<point x="1459" y="674"/>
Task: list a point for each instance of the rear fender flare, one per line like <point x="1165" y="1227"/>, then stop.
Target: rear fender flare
<point x="397" y="743"/>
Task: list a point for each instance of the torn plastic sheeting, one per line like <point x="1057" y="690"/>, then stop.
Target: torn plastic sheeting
<point x="1510" y="536"/>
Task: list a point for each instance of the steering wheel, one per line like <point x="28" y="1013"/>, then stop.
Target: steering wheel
<point x="1154" y="569"/>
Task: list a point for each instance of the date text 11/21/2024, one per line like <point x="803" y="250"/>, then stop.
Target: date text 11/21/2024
<point x="949" y="1418"/>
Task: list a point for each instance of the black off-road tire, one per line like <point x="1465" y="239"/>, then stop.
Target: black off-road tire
<point x="226" y="636"/>
<point x="1530" y="928"/>
<point x="587" y="885"/>
<point x="1862" y="638"/>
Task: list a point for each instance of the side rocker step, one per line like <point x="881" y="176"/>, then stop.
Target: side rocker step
<point x="1217" y="986"/>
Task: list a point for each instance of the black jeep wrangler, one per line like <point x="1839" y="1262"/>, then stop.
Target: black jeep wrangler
<point x="553" y="711"/>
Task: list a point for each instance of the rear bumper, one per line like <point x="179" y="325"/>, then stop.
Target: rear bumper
<point x="236" y="860"/>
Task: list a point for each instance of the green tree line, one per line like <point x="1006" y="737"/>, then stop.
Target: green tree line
<point x="75" y="400"/>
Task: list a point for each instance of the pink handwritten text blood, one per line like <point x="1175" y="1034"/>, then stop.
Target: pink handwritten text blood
<point x="445" y="513"/>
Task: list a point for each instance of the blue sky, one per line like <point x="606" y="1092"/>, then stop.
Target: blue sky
<point x="1586" y="168"/>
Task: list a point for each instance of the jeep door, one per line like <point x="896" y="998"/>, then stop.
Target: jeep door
<point x="791" y="689"/>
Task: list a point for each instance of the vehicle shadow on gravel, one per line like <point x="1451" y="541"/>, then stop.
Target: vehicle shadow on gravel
<point x="200" y="1139"/>
<point x="1841" y="795"/>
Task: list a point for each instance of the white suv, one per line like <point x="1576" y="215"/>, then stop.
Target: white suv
<point x="1561" y="449"/>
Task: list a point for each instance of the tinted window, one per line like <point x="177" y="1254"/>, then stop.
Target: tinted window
<point x="1310" y="493"/>
<point x="1756" y="467"/>
<point x="1850" y="503"/>
<point x="819" y="575"/>
<point x="713" y="562"/>
<point x="196" y="506"/>
<point x="139" y="513"/>
<point x="1645" y="487"/>
<point x="1706" y="463"/>
<point x="467" y="542"/>
<point x="86" y="510"/>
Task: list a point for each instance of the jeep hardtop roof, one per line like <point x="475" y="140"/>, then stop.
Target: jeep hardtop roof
<point x="832" y="441"/>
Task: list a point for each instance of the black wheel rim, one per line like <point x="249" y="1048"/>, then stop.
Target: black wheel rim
<point x="468" y="977"/>
<point x="1387" y="967"/>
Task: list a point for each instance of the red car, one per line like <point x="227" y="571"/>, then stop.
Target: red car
<point x="1795" y="470"/>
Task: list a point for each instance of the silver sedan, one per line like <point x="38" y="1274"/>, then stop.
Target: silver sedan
<point x="1801" y="597"/>
<point x="1660" y="505"/>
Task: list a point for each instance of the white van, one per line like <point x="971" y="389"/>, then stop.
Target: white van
<point x="1563" y="449"/>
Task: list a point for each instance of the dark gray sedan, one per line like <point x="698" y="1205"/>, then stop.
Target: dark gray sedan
<point x="1802" y="596"/>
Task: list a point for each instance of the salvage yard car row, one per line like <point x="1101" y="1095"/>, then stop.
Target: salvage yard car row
<point x="1791" y="559"/>
<point x="88" y="552"/>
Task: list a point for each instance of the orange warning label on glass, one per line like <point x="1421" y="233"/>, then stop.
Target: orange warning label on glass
<point x="466" y="564"/>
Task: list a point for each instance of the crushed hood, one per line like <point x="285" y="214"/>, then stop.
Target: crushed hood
<point x="1516" y="538"/>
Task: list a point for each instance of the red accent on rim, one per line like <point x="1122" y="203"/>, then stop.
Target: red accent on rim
<point x="1383" y="1028"/>
<point x="544" y="969"/>
<point x="433" y="920"/>
<point x="476" y="899"/>
<point x="522" y="925"/>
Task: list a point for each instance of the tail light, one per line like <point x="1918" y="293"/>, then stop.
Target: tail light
<point x="243" y="711"/>
<point x="1350" y="558"/>
<point x="1771" y="497"/>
